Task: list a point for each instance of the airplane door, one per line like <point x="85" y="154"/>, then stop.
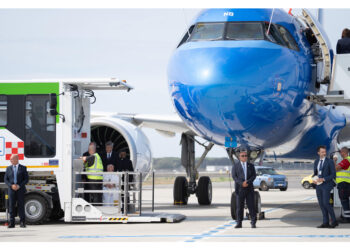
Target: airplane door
<point x="324" y="60"/>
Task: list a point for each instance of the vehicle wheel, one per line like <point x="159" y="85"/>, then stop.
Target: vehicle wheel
<point x="263" y="186"/>
<point x="204" y="190"/>
<point x="233" y="205"/>
<point x="257" y="202"/>
<point x="306" y="185"/>
<point x="284" y="189"/>
<point x="37" y="209"/>
<point x="180" y="191"/>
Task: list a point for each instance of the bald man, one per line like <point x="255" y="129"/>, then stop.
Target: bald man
<point x="16" y="178"/>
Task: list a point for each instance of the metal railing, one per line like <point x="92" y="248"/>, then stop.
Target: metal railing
<point x="127" y="188"/>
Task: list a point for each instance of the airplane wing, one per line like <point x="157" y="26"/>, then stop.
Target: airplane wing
<point x="167" y="125"/>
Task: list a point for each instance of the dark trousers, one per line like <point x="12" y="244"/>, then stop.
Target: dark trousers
<point x="323" y="193"/>
<point x="16" y="197"/>
<point x="94" y="197"/>
<point x="344" y="194"/>
<point x="242" y="195"/>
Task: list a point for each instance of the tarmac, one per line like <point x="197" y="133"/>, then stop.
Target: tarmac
<point x="290" y="216"/>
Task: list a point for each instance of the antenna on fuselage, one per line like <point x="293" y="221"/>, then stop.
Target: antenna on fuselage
<point x="268" y="29"/>
<point x="188" y="28"/>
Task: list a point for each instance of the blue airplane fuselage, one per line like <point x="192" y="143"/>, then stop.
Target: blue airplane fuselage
<point x="252" y="91"/>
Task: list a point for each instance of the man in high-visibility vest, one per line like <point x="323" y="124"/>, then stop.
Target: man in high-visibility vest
<point x="343" y="182"/>
<point x="93" y="164"/>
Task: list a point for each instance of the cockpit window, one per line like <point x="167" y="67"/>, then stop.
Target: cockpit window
<point x="288" y="38"/>
<point x="244" y="31"/>
<point x="273" y="34"/>
<point x="208" y="31"/>
<point x="240" y="31"/>
<point x="185" y="38"/>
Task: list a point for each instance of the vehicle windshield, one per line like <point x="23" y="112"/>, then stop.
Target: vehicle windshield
<point x="269" y="171"/>
<point x="208" y="31"/>
<point x="244" y="31"/>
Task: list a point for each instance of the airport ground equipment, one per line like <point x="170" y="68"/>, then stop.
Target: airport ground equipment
<point x="48" y="124"/>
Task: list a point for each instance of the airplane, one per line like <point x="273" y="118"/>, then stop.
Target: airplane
<point x="244" y="79"/>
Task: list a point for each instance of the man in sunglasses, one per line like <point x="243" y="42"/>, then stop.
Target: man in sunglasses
<point x="244" y="174"/>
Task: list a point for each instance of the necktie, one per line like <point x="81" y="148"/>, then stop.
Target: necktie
<point x="320" y="168"/>
<point x="245" y="170"/>
<point x="109" y="155"/>
<point x="15" y="174"/>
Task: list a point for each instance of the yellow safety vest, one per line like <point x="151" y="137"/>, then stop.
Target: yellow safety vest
<point x="343" y="175"/>
<point x="97" y="167"/>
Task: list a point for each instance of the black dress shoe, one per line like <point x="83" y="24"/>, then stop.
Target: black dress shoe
<point x="11" y="226"/>
<point x="333" y="225"/>
<point x="239" y="225"/>
<point x="323" y="226"/>
<point x="23" y="225"/>
<point x="253" y="226"/>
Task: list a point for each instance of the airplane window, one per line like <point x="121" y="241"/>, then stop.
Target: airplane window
<point x="288" y="38"/>
<point x="185" y="38"/>
<point x="244" y="31"/>
<point x="208" y="31"/>
<point x="273" y="35"/>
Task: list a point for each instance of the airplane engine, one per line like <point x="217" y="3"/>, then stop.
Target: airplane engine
<point x="125" y="137"/>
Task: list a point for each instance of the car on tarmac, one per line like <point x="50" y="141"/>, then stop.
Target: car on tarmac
<point x="267" y="178"/>
<point x="307" y="183"/>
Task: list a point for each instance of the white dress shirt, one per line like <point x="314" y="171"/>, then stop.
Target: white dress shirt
<point x="244" y="165"/>
<point x="319" y="165"/>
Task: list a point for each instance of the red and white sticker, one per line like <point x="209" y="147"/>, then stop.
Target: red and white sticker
<point x="14" y="148"/>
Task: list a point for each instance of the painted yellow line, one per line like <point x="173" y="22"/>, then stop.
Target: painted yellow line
<point x="53" y="166"/>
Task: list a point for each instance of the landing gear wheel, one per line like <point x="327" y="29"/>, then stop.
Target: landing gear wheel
<point x="180" y="191"/>
<point x="204" y="190"/>
<point x="233" y="206"/>
<point x="306" y="185"/>
<point x="263" y="186"/>
<point x="37" y="209"/>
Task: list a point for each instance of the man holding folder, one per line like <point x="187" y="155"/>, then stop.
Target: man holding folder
<point x="324" y="175"/>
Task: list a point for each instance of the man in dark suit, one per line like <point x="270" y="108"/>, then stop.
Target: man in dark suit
<point x="325" y="171"/>
<point x="16" y="177"/>
<point x="109" y="157"/>
<point x="244" y="174"/>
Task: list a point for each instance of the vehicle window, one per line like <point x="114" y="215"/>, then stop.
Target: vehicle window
<point x="273" y="35"/>
<point x="40" y="127"/>
<point x="244" y="31"/>
<point x="288" y="38"/>
<point x="207" y="31"/>
<point x="185" y="38"/>
<point x="269" y="171"/>
<point x="3" y="110"/>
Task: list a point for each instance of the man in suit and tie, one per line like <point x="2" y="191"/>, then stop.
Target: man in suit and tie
<point x="109" y="157"/>
<point x="16" y="177"/>
<point x="244" y="174"/>
<point x="324" y="169"/>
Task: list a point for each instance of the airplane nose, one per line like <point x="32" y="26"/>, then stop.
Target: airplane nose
<point x="222" y="88"/>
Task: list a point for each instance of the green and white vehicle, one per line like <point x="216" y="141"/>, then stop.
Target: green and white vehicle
<point x="49" y="125"/>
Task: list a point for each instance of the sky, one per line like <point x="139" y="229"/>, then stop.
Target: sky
<point x="131" y="44"/>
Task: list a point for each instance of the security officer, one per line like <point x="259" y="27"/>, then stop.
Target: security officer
<point x="343" y="182"/>
<point x="93" y="164"/>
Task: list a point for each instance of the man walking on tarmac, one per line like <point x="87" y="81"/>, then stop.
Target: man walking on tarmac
<point x="324" y="174"/>
<point x="343" y="182"/>
<point x="93" y="164"/>
<point x="16" y="178"/>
